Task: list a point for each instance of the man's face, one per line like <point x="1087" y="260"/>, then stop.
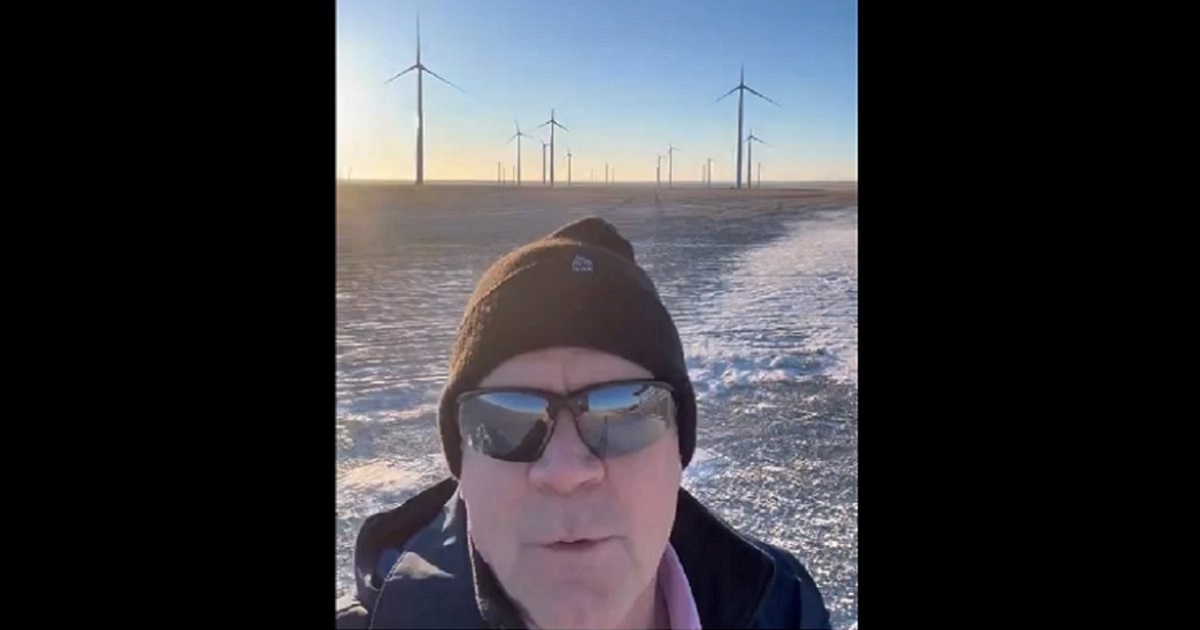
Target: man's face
<point x="517" y="511"/>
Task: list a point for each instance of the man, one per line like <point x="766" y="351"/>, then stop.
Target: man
<point x="566" y="422"/>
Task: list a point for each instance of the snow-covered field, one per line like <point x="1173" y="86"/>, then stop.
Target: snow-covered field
<point x="763" y="285"/>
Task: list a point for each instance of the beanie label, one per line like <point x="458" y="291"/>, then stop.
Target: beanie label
<point x="581" y="264"/>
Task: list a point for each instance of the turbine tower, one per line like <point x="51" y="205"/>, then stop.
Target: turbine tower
<point x="708" y="173"/>
<point x="750" y="153"/>
<point x="671" y="165"/>
<point x="742" y="88"/>
<point x="658" y="170"/>
<point x="569" y="156"/>
<point x="421" y="69"/>
<point x="544" y="145"/>
<point x="553" y="123"/>
<point x="518" y="137"/>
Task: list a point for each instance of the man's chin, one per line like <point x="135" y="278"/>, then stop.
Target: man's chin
<point x="571" y="610"/>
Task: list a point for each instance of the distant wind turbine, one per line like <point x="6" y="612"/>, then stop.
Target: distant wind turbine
<point x="499" y="176"/>
<point x="658" y="170"/>
<point x="421" y="69"/>
<point x="708" y="173"/>
<point x="750" y="153"/>
<point x="553" y="123"/>
<point x="518" y="136"/>
<point x="671" y="165"/>
<point x="569" y="156"/>
<point x="760" y="174"/>
<point x="742" y="88"/>
<point x="606" y="173"/>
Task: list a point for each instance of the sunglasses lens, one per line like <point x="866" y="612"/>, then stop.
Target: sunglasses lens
<point x="505" y="425"/>
<point x="626" y="418"/>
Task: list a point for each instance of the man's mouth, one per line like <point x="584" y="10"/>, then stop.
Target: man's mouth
<point x="582" y="544"/>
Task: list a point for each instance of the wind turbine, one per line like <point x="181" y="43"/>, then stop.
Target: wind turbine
<point x="499" y="177"/>
<point x="750" y="153"/>
<point x="658" y="170"/>
<point x="742" y="88"/>
<point x="671" y="165"/>
<point x="553" y="123"/>
<point x="421" y="69"/>
<point x="518" y="137"/>
<point x="569" y="156"/>
<point x="708" y="173"/>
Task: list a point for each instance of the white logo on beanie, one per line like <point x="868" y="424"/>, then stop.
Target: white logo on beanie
<point x="581" y="264"/>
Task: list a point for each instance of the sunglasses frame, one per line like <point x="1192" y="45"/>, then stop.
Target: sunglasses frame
<point x="572" y="402"/>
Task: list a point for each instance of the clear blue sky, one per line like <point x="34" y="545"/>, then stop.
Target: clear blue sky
<point x="625" y="77"/>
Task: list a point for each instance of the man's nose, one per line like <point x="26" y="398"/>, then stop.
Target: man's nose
<point x="567" y="464"/>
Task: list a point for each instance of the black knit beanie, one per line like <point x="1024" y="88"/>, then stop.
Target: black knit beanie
<point x="578" y="286"/>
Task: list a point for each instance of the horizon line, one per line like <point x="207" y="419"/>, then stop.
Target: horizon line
<point x="581" y="183"/>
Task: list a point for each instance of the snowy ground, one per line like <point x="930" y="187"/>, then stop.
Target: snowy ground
<point x="764" y="289"/>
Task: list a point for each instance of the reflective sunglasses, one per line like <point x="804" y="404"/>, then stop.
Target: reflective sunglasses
<point x="514" y="424"/>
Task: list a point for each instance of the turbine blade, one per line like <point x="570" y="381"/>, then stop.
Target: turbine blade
<point x="443" y="80"/>
<point x="754" y="92"/>
<point x="727" y="94"/>
<point x="560" y="126"/>
<point x="410" y="68"/>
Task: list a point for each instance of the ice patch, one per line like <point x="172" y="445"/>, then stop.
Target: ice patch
<point x="390" y="401"/>
<point x="717" y="373"/>
<point x="380" y="483"/>
<point x="379" y="478"/>
<point x="386" y="415"/>
<point x="787" y="311"/>
<point x="705" y="464"/>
